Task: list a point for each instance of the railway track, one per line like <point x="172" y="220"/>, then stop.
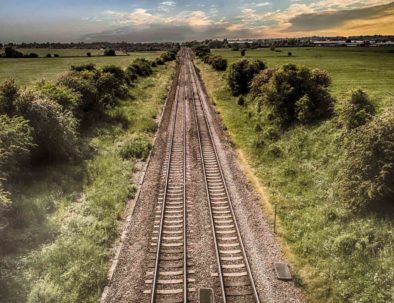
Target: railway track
<point x="170" y="278"/>
<point x="234" y="273"/>
<point x="169" y="275"/>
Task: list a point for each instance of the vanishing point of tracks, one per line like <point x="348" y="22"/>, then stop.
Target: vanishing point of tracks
<point x="170" y="277"/>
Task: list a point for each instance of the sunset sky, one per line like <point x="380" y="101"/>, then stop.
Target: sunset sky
<point x="152" y="20"/>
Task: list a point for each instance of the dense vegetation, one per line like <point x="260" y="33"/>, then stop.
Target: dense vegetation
<point x="327" y="163"/>
<point x="67" y="152"/>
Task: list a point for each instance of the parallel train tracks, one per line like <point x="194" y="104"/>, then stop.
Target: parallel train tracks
<point x="170" y="277"/>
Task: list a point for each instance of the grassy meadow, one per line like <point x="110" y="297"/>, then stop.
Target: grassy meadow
<point x="66" y="214"/>
<point x="372" y="69"/>
<point x="27" y="70"/>
<point x="336" y="255"/>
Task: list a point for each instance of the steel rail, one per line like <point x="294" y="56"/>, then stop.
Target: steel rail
<point x="199" y="89"/>
<point x="220" y="275"/>
<point x="184" y="201"/>
<point x="163" y="206"/>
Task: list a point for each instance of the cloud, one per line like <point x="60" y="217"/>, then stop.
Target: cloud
<point x="168" y="32"/>
<point x="141" y="17"/>
<point x="332" y="19"/>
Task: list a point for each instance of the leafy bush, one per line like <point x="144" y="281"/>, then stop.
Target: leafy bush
<point x="219" y="63"/>
<point x="61" y="94"/>
<point x="240" y="75"/>
<point x="108" y="84"/>
<point x="83" y="67"/>
<point x="142" y="67"/>
<point x="8" y="93"/>
<point x="159" y="61"/>
<point x="9" y="52"/>
<point x="201" y="50"/>
<point x="16" y="143"/>
<point x="131" y="73"/>
<point x="296" y="94"/>
<point x="260" y="79"/>
<point x="137" y="147"/>
<point x="85" y="87"/>
<point x="109" y="52"/>
<point x="168" y="56"/>
<point x="116" y="71"/>
<point x="357" y="111"/>
<point x="368" y="174"/>
<point x="54" y="130"/>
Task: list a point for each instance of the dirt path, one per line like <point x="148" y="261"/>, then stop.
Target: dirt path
<point x="132" y="281"/>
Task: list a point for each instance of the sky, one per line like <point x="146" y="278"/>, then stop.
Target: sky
<point x="176" y="20"/>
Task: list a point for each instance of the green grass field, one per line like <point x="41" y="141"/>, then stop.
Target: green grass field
<point x="336" y="256"/>
<point x="26" y="70"/>
<point x="372" y="69"/>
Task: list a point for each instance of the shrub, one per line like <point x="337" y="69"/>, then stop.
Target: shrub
<point x="142" y="67"/>
<point x="295" y="94"/>
<point x="243" y="52"/>
<point x="83" y="67"/>
<point x="290" y="54"/>
<point x="108" y="84"/>
<point x="153" y="64"/>
<point x="8" y="93"/>
<point x="54" y="130"/>
<point x="33" y="55"/>
<point x="56" y="55"/>
<point x="48" y="56"/>
<point x="109" y="52"/>
<point x="137" y="147"/>
<point x="357" y="111"/>
<point x="219" y="63"/>
<point x="85" y="87"/>
<point x="240" y="75"/>
<point x="15" y="144"/>
<point x="159" y="61"/>
<point x="260" y="79"/>
<point x="201" y="50"/>
<point x="116" y="71"/>
<point x="321" y="78"/>
<point x="368" y="174"/>
<point x="131" y="74"/>
<point x="89" y="54"/>
<point x="61" y="94"/>
<point x="9" y="52"/>
<point x="168" y="56"/>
